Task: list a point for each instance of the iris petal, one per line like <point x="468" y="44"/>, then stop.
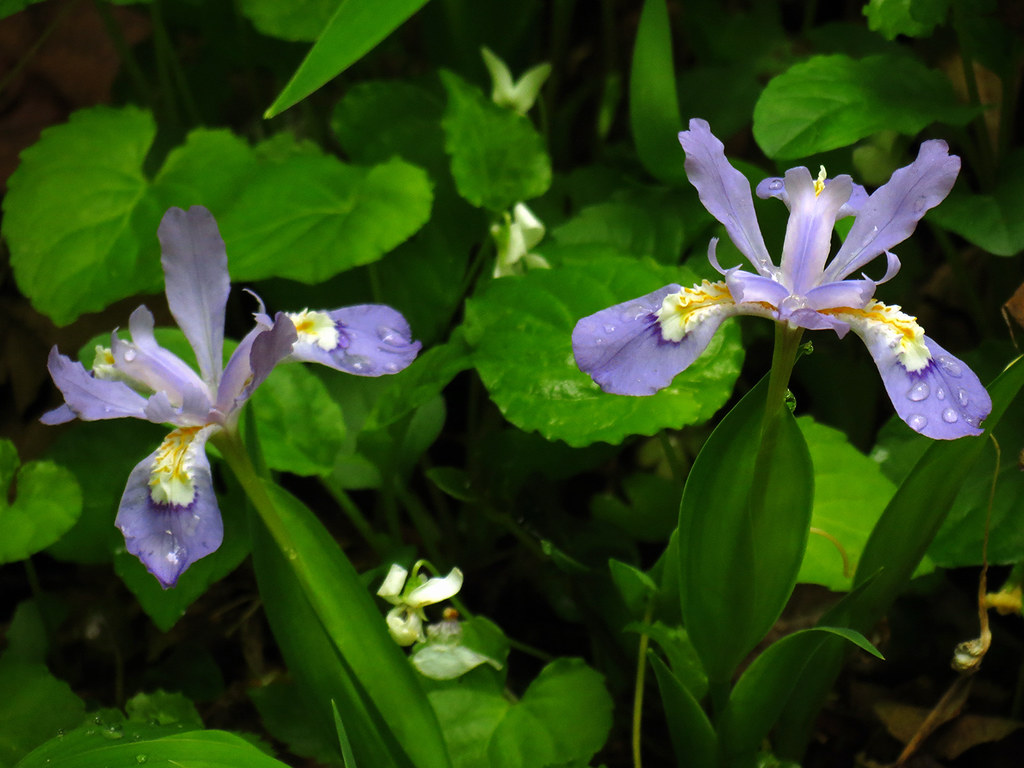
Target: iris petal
<point x="373" y="340"/>
<point x="725" y="192"/>
<point x="196" y="270"/>
<point x="88" y="398"/>
<point x="165" y="536"/>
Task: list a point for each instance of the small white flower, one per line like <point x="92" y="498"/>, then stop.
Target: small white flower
<point x="513" y="238"/>
<point x="410" y="596"/>
<point x="519" y="95"/>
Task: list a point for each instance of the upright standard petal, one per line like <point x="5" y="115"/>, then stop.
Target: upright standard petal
<point x="890" y="215"/>
<point x="813" y="208"/>
<point x="195" y="266"/>
<point x="367" y="339"/>
<point x="932" y="391"/>
<point x="168" y="512"/>
<point x="725" y="192"/>
<point x="638" y="347"/>
<point x="88" y="398"/>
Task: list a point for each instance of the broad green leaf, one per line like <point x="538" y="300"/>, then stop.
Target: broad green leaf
<point x="498" y="158"/>
<point x="79" y="239"/>
<point x="653" y="103"/>
<point x="301" y="427"/>
<point x="47" y="504"/>
<point x="829" y="102"/>
<point x="913" y="18"/>
<point x="741" y="540"/>
<point x="521" y="328"/>
<point x="850" y="493"/>
<point x="564" y="716"/>
<point x="303" y="20"/>
<point x="305" y="575"/>
<point x="760" y="694"/>
<point x="131" y="745"/>
<point x="208" y="169"/>
<point x="289" y="715"/>
<point x="356" y="27"/>
<point x="313" y="216"/>
<point x="630" y="227"/>
<point x="894" y="550"/>
<point x="993" y="221"/>
<point x="693" y="737"/>
<point x="34" y="707"/>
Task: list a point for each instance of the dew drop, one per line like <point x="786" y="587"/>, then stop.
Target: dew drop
<point x="142" y="759"/>
<point x="113" y="732"/>
<point x="961" y="397"/>
<point x="609" y="328"/>
<point x="291" y="554"/>
<point x="392" y="367"/>
<point x="598" y="341"/>
<point x="940" y="393"/>
<point x="919" y="392"/>
<point x="359" y="364"/>
<point x="917" y="422"/>
<point x="950" y="416"/>
<point x="920" y="204"/>
<point x="951" y="366"/>
<point x="129" y="355"/>
<point x="390" y="336"/>
<point x="775" y="185"/>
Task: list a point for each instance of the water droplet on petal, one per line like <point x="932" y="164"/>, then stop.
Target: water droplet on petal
<point x="390" y="336"/>
<point x="919" y="392"/>
<point x="940" y="393"/>
<point x="359" y="363"/>
<point x="598" y="341"/>
<point x="129" y="355"/>
<point x="609" y="328"/>
<point x="917" y="422"/>
<point x="961" y="397"/>
<point x="392" y="367"/>
<point x="775" y="185"/>
<point x="951" y="366"/>
<point x="950" y="416"/>
<point x="920" y="204"/>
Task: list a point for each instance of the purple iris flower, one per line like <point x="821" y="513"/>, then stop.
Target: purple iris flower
<point x="168" y="513"/>
<point x="637" y="347"/>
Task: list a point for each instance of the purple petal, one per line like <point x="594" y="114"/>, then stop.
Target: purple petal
<point x="750" y="288"/>
<point x="844" y="293"/>
<point x="891" y="213"/>
<point x="775" y="187"/>
<point x="623" y="350"/>
<point x="169" y="537"/>
<point x="373" y="340"/>
<point x="145" y="361"/>
<point x="196" y="270"/>
<point x="812" y="219"/>
<point x="942" y="400"/>
<point x="253" y="360"/>
<point x="88" y="398"/>
<point x="725" y="192"/>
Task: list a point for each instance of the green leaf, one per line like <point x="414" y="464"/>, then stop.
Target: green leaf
<point x="693" y="737"/>
<point x="72" y="217"/>
<point x="850" y="493"/>
<point x="289" y="714"/>
<point x="741" y="543"/>
<point x="761" y="693"/>
<point x="498" y="158"/>
<point x="313" y="216"/>
<point x="301" y="20"/>
<point x="652" y="511"/>
<point x="356" y="27"/>
<point x="163" y="708"/>
<point x="301" y="427"/>
<point x="829" y="102"/>
<point x="521" y="328"/>
<point x="564" y="716"/>
<point x="914" y="18"/>
<point x="47" y="504"/>
<point x="653" y="103"/>
<point x="992" y="221"/>
<point x="307" y="583"/>
<point x="34" y="707"/>
<point x="132" y="745"/>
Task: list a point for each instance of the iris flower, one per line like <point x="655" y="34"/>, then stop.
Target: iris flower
<point x="637" y="347"/>
<point x="168" y="513"/>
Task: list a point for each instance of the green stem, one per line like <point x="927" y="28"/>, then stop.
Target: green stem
<point x="787" y="349"/>
<point x="638" y="690"/>
<point x="355" y="516"/>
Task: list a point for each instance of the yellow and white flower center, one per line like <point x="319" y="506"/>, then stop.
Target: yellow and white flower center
<point x="103" y="364"/>
<point x="901" y="331"/>
<point x="171" y="477"/>
<point x="316" y="328"/>
<point x="681" y="312"/>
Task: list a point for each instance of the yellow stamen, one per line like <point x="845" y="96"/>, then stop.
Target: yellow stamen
<point x="819" y="183"/>
<point x="680" y="312"/>
<point x="170" y="479"/>
<point x="903" y="332"/>
<point x="316" y="328"/>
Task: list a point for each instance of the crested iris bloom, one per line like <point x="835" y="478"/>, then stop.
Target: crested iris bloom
<point x="168" y="513"/>
<point x="637" y="347"/>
